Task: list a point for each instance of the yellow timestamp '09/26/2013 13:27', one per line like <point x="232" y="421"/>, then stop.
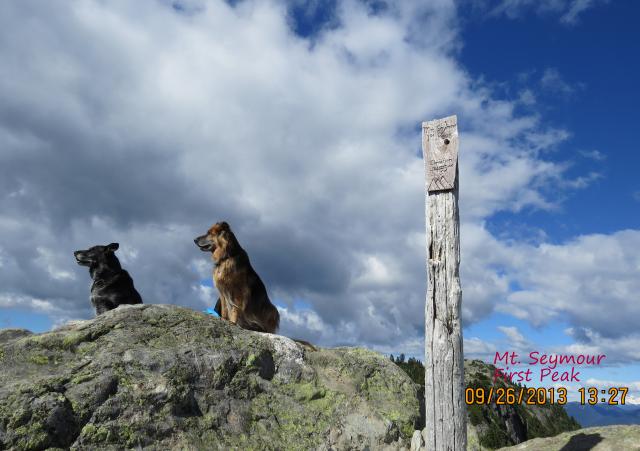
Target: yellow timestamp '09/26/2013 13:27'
<point x="541" y="395"/>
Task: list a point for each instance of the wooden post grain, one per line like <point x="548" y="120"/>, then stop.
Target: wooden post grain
<point x="446" y="418"/>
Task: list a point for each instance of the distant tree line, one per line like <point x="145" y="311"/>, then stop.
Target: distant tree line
<point x="489" y="419"/>
<point x="413" y="367"/>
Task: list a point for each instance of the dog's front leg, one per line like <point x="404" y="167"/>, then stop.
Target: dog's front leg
<point x="224" y="308"/>
<point x="233" y="314"/>
<point x="102" y="306"/>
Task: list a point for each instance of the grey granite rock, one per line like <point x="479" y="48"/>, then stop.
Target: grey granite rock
<point x="166" y="377"/>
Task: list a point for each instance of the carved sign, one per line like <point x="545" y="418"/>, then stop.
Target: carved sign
<point x="440" y="149"/>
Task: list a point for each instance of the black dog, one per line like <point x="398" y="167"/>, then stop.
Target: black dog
<point x="112" y="286"/>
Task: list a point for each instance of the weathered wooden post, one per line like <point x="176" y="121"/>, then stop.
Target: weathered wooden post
<point x="446" y="417"/>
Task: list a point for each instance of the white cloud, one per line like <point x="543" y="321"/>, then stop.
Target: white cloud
<point x="482" y="271"/>
<point x="575" y="9"/>
<point x="476" y="348"/>
<point x="632" y="396"/>
<point x="47" y="260"/>
<point x="567" y="10"/>
<point x="307" y="323"/>
<point x="618" y="349"/>
<point x="594" y="154"/>
<point x="486" y="350"/>
<point x="375" y="272"/>
<point x="205" y="294"/>
<point x="137" y="123"/>
<point x="552" y="81"/>
<point x="575" y="282"/>
<point x="12" y="300"/>
<point x="583" y="181"/>
<point x="527" y="97"/>
<point x="514" y="336"/>
<point x="587" y="274"/>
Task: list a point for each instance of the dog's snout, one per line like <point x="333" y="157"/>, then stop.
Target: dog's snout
<point x="204" y="243"/>
<point x="81" y="258"/>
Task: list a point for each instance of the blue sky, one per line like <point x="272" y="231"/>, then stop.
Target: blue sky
<point x="299" y="124"/>
<point x="595" y="98"/>
<point x="593" y="94"/>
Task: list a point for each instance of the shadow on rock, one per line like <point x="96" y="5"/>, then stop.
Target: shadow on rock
<point x="582" y="442"/>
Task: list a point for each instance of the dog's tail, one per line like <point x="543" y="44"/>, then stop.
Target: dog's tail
<point x="306" y="344"/>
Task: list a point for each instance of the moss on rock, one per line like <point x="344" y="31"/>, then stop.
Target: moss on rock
<point x="167" y="377"/>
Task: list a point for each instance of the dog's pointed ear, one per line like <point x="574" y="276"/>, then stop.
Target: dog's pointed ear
<point x="224" y="225"/>
<point x="113" y="247"/>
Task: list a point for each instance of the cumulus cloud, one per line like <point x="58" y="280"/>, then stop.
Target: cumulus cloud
<point x="619" y="350"/>
<point x="572" y="282"/>
<point x="632" y="396"/>
<point x="476" y="348"/>
<point x="594" y="154"/>
<point x="515" y="337"/>
<point x="576" y="280"/>
<point x="553" y="82"/>
<point x="527" y="97"/>
<point x="576" y="8"/>
<point x="487" y="350"/>
<point x="584" y="180"/>
<point x="145" y="122"/>
<point x="568" y="11"/>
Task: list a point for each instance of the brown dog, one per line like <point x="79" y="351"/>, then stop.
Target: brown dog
<point x="243" y="298"/>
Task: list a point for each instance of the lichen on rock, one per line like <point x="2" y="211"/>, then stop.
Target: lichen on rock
<point x="163" y="377"/>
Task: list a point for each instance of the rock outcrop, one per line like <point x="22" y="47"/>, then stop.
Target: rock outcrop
<point x="166" y="377"/>
<point x="602" y="438"/>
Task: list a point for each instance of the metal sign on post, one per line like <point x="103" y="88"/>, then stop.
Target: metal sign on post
<point x="445" y="409"/>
